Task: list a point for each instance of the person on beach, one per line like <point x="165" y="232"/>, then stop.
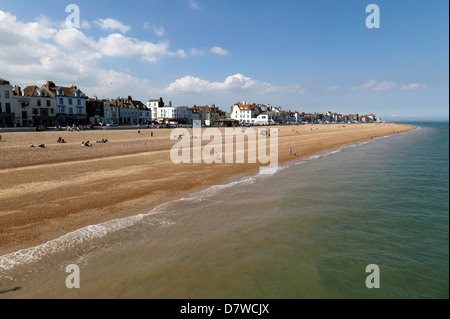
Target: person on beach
<point x="139" y="131"/>
<point x="290" y="150"/>
<point x="295" y="153"/>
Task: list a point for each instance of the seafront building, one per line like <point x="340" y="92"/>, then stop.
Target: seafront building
<point x="34" y="106"/>
<point x="70" y="104"/>
<point x="6" y="104"/>
<point x="53" y="105"/>
<point x="257" y="114"/>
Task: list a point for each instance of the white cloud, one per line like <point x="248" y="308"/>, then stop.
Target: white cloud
<point x="197" y="52"/>
<point x="179" y="53"/>
<point x="219" y="50"/>
<point x="119" y="45"/>
<point x="85" y="24"/>
<point x="112" y="25"/>
<point x="159" y="31"/>
<point x="35" y="52"/>
<point x="333" y="88"/>
<point x="376" y="86"/>
<point x="234" y="82"/>
<point x="13" y="31"/>
<point x="194" y="5"/>
<point x="110" y="83"/>
<point x="386" y="85"/>
<point x="73" y="39"/>
<point x="413" y="86"/>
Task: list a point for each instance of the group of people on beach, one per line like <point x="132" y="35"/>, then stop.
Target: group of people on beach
<point x="290" y="152"/>
<point x="139" y="132"/>
<point x="73" y="127"/>
<point x="88" y="144"/>
<point x="40" y="145"/>
<point x="62" y="141"/>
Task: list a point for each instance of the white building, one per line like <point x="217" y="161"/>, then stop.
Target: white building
<point x="256" y="114"/>
<point x="34" y="106"/>
<point x="244" y="113"/>
<point x="153" y="106"/>
<point x="6" y="104"/>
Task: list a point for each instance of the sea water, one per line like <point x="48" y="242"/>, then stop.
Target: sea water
<point x="307" y="231"/>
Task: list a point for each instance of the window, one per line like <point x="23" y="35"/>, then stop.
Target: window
<point x="70" y="110"/>
<point x="48" y="103"/>
<point x="38" y="102"/>
<point x="79" y="110"/>
<point x="70" y="101"/>
<point x="0" y="107"/>
<point x="6" y="94"/>
<point x="8" y="108"/>
<point x="61" y="100"/>
<point x="78" y="102"/>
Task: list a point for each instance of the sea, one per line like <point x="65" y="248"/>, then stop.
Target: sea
<point x="309" y="231"/>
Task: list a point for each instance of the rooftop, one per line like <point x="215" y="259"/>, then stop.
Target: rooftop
<point x="4" y="82"/>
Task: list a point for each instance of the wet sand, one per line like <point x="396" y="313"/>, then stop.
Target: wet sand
<point x="48" y="192"/>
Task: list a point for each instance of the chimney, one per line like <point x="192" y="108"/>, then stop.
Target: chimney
<point x="49" y="85"/>
<point x="17" y="90"/>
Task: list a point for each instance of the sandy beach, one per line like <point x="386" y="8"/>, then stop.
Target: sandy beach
<point x="48" y="192"/>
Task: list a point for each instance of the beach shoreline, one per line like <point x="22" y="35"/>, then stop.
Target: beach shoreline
<point x="47" y="197"/>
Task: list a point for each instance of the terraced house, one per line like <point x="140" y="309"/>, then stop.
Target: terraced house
<point x="34" y="106"/>
<point x="6" y="104"/>
<point x="70" y="104"/>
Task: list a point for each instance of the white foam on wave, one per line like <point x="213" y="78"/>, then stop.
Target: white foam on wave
<point x="70" y="240"/>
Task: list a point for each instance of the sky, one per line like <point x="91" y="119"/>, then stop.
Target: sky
<point x="307" y="56"/>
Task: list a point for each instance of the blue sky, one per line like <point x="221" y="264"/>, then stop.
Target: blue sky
<point x="311" y="56"/>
